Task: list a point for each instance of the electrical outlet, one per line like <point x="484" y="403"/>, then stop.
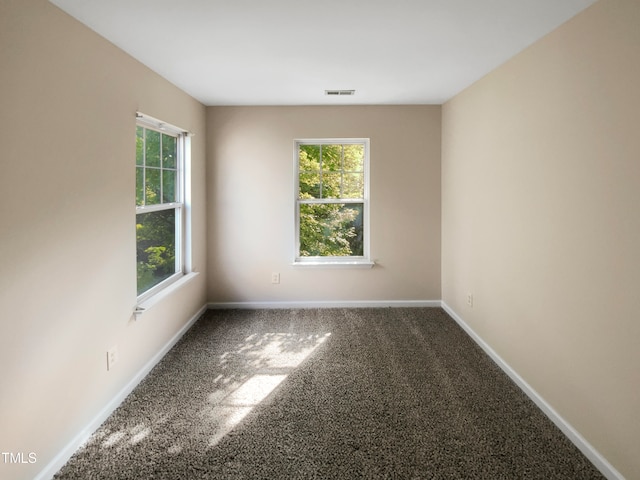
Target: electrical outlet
<point x="113" y="355"/>
<point x="275" y="277"/>
<point x="470" y="299"/>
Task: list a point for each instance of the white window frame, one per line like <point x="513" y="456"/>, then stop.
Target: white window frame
<point x="181" y="207"/>
<point x="363" y="261"/>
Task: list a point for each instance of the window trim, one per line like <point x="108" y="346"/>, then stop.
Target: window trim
<point x="363" y="261"/>
<point x="182" y="207"/>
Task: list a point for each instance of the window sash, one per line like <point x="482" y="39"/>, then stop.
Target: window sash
<point x="335" y="258"/>
<point x="180" y="227"/>
<point x="179" y="168"/>
<point x="179" y="251"/>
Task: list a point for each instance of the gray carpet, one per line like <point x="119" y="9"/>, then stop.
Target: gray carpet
<point x="327" y="393"/>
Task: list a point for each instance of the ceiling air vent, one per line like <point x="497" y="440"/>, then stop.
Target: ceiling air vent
<point x="335" y="93"/>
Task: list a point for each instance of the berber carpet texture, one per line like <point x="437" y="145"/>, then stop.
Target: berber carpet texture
<point x="395" y="393"/>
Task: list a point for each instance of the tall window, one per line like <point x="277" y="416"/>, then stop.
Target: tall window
<point x="332" y="204"/>
<point x="160" y="215"/>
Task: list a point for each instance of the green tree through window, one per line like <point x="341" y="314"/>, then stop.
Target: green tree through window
<point x="158" y="206"/>
<point x="331" y="199"/>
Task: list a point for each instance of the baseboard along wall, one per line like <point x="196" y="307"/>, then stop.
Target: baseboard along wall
<point x="325" y="304"/>
<point x="580" y="442"/>
<point x="65" y="454"/>
<point x="571" y="433"/>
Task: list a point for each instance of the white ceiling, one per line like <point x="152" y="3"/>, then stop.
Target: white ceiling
<point x="288" y="52"/>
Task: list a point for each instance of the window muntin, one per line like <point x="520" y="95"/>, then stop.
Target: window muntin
<point x="160" y="216"/>
<point x="156" y="167"/>
<point x="332" y="201"/>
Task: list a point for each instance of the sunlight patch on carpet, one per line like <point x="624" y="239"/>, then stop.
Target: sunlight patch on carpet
<point x="254" y="390"/>
<point x="251" y="372"/>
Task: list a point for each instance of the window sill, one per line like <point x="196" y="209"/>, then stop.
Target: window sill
<point x="151" y="301"/>
<point x="335" y="264"/>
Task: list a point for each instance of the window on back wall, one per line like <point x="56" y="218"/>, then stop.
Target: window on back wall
<point x="332" y="202"/>
<point x="160" y="205"/>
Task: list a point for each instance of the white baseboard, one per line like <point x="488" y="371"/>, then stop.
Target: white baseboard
<point x="326" y="304"/>
<point x="63" y="456"/>
<point x="580" y="442"/>
<point x="571" y="433"/>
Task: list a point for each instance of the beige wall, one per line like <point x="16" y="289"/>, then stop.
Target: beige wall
<point x="541" y="223"/>
<point x="251" y="203"/>
<point x="67" y="220"/>
<point x="540" y="192"/>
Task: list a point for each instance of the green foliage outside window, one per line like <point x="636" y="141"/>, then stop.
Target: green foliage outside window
<point x="155" y="248"/>
<point x="156" y="183"/>
<point x="328" y="173"/>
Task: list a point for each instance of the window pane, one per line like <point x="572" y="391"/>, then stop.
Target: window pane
<point x="332" y="158"/>
<point x="152" y="187"/>
<point x="353" y="185"/>
<point x="309" y="185"/>
<point x="331" y="230"/>
<point x="168" y="186"/>
<point x="331" y="185"/>
<point x="139" y="186"/>
<point x="139" y="146"/>
<point x="156" y="247"/>
<point x="354" y="158"/>
<point x="152" y="148"/>
<point x="169" y="151"/>
<point x="309" y="158"/>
